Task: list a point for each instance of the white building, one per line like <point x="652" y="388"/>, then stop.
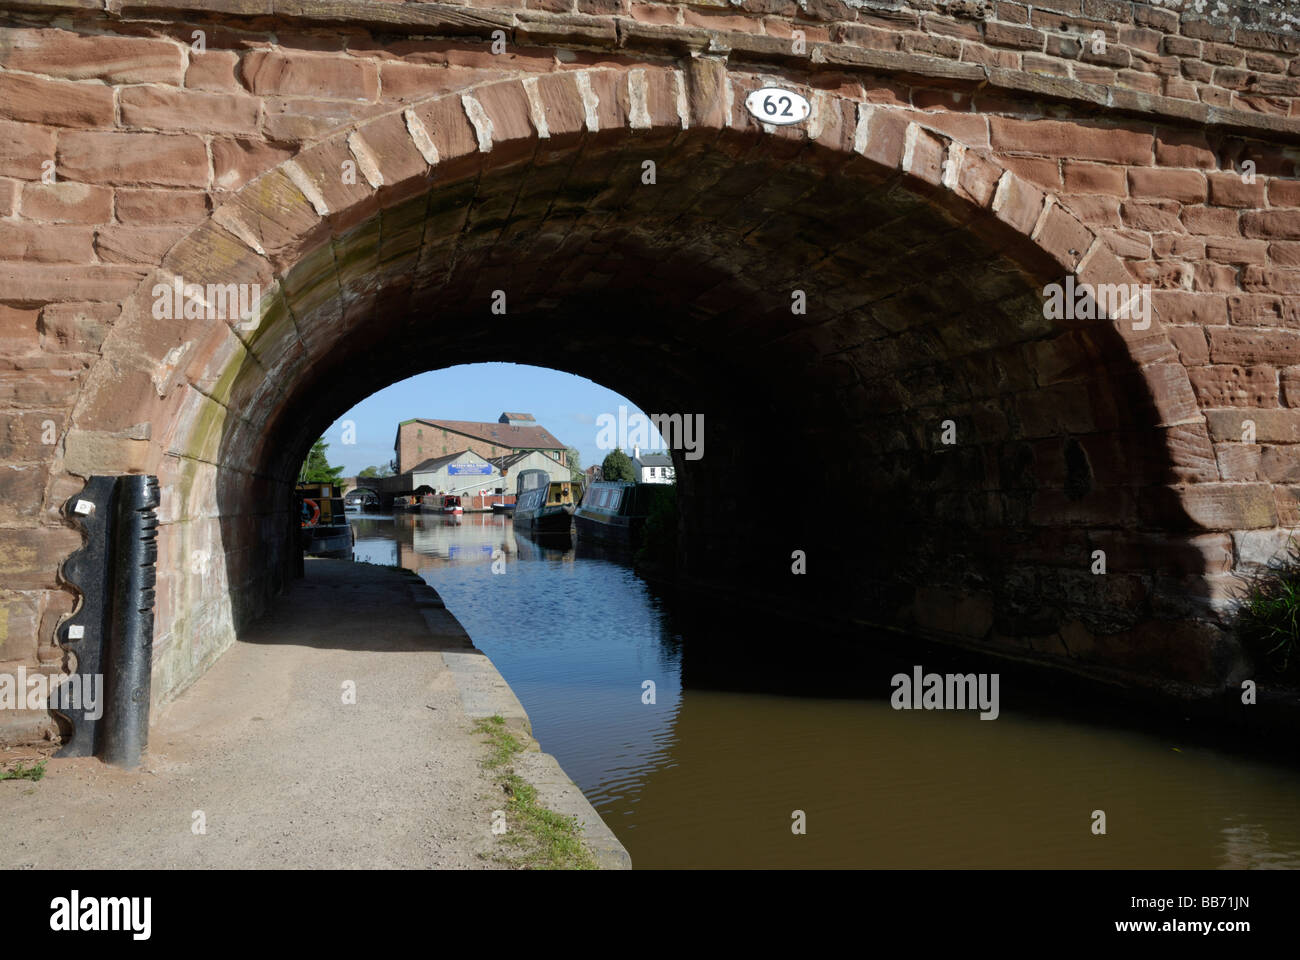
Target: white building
<point x="652" y="467"/>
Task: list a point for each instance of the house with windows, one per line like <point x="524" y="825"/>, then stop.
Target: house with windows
<point x="419" y="440"/>
<point x="653" y="467"/>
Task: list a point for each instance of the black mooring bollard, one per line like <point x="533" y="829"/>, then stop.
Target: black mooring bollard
<point x="111" y="633"/>
<point x="129" y="656"/>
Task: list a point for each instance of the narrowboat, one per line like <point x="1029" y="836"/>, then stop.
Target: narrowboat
<point x="503" y="508"/>
<point x="614" y="512"/>
<point x="324" y="530"/>
<point x="543" y="505"/>
<point x="446" y="503"/>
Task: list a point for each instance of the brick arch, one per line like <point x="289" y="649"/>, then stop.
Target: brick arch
<point x="278" y="229"/>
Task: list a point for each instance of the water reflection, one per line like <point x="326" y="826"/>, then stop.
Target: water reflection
<point x="751" y="722"/>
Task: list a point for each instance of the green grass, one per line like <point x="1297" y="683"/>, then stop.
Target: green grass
<point x="540" y="838"/>
<point x="1269" y="624"/>
<point x="24" y="773"/>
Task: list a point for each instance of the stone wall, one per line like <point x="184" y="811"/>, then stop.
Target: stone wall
<point x="959" y="156"/>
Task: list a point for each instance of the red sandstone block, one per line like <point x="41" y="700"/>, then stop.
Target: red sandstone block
<point x="56" y="102"/>
<point x="924" y="159"/>
<point x="1221" y="506"/>
<point x="134" y="158"/>
<point x="1193" y="349"/>
<point x="1284" y="253"/>
<point x="886" y="138"/>
<point x="309" y="75"/>
<point x="1279" y="464"/>
<point x="51" y="284"/>
<point x="1283" y="193"/>
<point x="164" y="108"/>
<point x="1210" y="221"/>
<point x="1045" y="173"/>
<point x="1180" y="89"/>
<point x="1177" y="246"/>
<point x="1129" y="244"/>
<point x="1054" y="138"/>
<point x="67" y="202"/>
<point x="212" y="70"/>
<point x="1016" y="37"/>
<point x="1152" y="217"/>
<point x="1269" y="425"/>
<point x="18" y="335"/>
<point x="1232" y="385"/>
<point x="1018" y="203"/>
<point x="653" y="13"/>
<point x="978" y="178"/>
<point x="33" y="555"/>
<point x="1064" y="237"/>
<point x="1181" y="47"/>
<point x="967" y="128"/>
<point x="77" y="327"/>
<point x="1229" y="190"/>
<point x="1290" y="386"/>
<point x="933" y="46"/>
<point x="1257" y="279"/>
<point x="1177" y="306"/>
<point x="8" y="198"/>
<point x="1234" y="345"/>
<point x="388" y="141"/>
<point x="1186" y="186"/>
<point x="1215" y="277"/>
<point x="23" y="148"/>
<point x="119" y="244"/>
<point x="73" y="56"/>
<point x="1234" y="250"/>
<point x="143" y="207"/>
<point x="43" y="243"/>
<point x="1238" y="461"/>
<point x="1094" y="178"/>
<point x="238" y="160"/>
<point x="1184" y="148"/>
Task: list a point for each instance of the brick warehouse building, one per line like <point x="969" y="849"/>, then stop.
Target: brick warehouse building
<point x="379" y="174"/>
<point x="421" y="439"/>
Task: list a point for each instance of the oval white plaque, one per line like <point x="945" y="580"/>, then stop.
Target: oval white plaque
<point x="774" y="105"/>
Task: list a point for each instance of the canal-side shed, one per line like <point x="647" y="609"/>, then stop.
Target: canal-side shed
<point x="464" y="473"/>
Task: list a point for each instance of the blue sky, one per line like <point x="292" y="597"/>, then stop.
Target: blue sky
<point x="562" y="403"/>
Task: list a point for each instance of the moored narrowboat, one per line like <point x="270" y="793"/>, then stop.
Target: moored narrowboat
<point x="543" y="505"/>
<point x="324" y="528"/>
<point x="614" y="512"/>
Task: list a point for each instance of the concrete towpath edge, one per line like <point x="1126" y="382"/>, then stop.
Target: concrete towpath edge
<point x="484" y="693"/>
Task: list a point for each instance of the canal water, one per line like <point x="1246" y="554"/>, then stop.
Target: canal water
<point x="754" y="728"/>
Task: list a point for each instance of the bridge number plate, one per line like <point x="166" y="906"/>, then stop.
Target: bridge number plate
<point x="774" y="105"/>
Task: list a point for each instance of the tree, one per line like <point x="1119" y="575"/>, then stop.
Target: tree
<point x="368" y="473"/>
<point x="575" y="463"/>
<point x="617" y="466"/>
<point x="316" y="468"/>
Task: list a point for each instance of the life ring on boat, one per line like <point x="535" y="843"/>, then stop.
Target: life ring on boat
<point x="315" y="512"/>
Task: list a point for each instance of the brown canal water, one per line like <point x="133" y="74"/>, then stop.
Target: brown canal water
<point x="751" y="723"/>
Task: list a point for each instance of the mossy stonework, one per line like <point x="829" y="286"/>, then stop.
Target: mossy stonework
<point x="375" y="171"/>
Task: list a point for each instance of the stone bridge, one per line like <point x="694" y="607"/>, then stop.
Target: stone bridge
<point x="861" y="294"/>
